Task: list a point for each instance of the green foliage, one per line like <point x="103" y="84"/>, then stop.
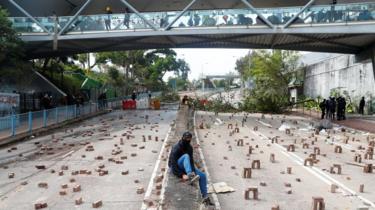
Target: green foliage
<point x="169" y="96"/>
<point x="147" y="67"/>
<point x="220" y="83"/>
<point x="271" y="72"/>
<point x="11" y="50"/>
<point x="180" y="83"/>
<point x="215" y="105"/>
<point x="243" y="66"/>
<point x="218" y="105"/>
<point x="312" y="104"/>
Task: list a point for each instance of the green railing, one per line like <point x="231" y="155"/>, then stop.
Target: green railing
<point x="317" y="14"/>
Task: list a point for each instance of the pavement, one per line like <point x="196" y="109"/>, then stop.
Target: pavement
<point x="355" y="121"/>
<point x="180" y="195"/>
<point x="119" y="161"/>
<point x="226" y="161"/>
<point x="116" y="172"/>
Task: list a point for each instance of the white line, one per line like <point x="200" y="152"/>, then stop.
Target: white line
<point x="316" y="171"/>
<point x="67" y="154"/>
<point x="263" y="123"/>
<point x="151" y="183"/>
<point x="214" y="196"/>
<point x="165" y="183"/>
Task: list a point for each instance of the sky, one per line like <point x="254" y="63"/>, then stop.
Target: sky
<point x="210" y="61"/>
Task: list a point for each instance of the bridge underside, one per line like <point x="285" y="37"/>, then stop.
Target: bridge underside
<point x="351" y="43"/>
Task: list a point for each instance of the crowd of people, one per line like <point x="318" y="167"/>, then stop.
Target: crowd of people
<point x="335" y="108"/>
<point x="111" y="21"/>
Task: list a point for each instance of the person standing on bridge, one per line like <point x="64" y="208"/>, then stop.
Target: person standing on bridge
<point x="107" y="20"/>
<point x="127" y="18"/>
<point x="181" y="162"/>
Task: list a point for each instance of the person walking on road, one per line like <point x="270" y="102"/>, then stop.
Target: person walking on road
<point x="362" y="106"/>
<point x="134" y="96"/>
<point x="181" y="162"/>
<point x="332" y="108"/>
<point x="339" y="108"/>
<point x="322" y="106"/>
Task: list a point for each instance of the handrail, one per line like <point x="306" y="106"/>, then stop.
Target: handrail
<point x="315" y="14"/>
<point x="14" y="124"/>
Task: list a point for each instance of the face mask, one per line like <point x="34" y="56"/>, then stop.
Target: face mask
<point x="185" y="143"/>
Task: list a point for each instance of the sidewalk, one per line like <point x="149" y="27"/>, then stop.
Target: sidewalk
<point x="355" y="121"/>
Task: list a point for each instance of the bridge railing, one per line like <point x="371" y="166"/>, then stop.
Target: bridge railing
<point x="316" y="14"/>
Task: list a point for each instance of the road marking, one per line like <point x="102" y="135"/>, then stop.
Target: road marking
<point x="214" y="196"/>
<point x="263" y="123"/>
<point x="151" y="183"/>
<point x="67" y="154"/>
<point x="316" y="171"/>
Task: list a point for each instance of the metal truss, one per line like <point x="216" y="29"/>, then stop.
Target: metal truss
<point x="311" y="2"/>
<point x="74" y="17"/>
<point x="139" y="14"/>
<point x="179" y="15"/>
<point x="30" y="16"/>
<point x="258" y="13"/>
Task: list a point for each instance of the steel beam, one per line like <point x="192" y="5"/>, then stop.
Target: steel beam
<point x="139" y="14"/>
<point x="258" y="13"/>
<point x="179" y="15"/>
<point x="30" y="16"/>
<point x="341" y="36"/>
<point x="351" y="47"/>
<point x="108" y="46"/>
<point x="298" y="14"/>
<point x="208" y="40"/>
<point x="170" y="40"/>
<point x="74" y="17"/>
<point x="273" y="39"/>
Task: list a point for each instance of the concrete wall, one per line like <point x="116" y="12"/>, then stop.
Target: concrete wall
<point x="36" y="83"/>
<point x="339" y="72"/>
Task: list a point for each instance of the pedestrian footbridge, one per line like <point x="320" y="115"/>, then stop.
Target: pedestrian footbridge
<point x="54" y="29"/>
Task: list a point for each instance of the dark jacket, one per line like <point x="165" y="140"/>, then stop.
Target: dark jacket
<point x="177" y="151"/>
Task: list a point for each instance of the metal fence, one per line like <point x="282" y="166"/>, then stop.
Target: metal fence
<point x="15" y="124"/>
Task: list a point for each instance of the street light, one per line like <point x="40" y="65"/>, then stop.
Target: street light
<point x="203" y="81"/>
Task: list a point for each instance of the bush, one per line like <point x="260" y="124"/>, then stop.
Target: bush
<point x="168" y="96"/>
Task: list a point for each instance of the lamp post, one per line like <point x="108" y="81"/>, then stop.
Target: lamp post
<point x="203" y="80"/>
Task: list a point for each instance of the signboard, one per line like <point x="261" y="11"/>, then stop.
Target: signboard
<point x="9" y="102"/>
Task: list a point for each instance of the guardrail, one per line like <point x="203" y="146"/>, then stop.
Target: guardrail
<point x="15" y="124"/>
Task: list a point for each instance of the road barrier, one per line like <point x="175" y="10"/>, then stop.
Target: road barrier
<point x="15" y="124"/>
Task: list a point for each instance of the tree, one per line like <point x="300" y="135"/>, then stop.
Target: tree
<point x="148" y="67"/>
<point x="183" y="69"/>
<point x="243" y="66"/>
<point x="271" y="71"/>
<point x="11" y="50"/>
<point x="180" y="83"/>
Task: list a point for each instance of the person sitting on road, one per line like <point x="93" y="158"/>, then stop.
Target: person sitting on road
<point x="181" y="162"/>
